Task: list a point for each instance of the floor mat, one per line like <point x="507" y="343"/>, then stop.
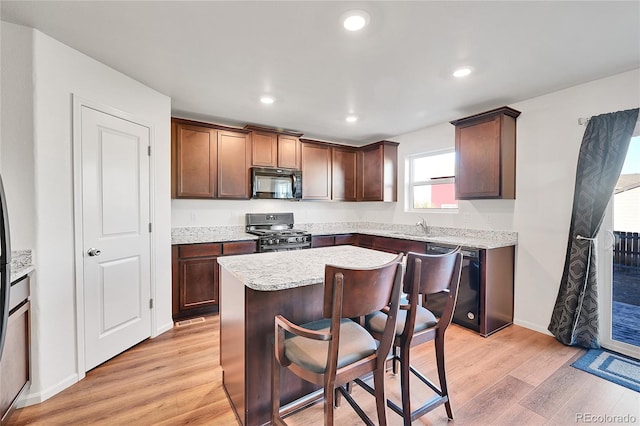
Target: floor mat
<point x="611" y="366"/>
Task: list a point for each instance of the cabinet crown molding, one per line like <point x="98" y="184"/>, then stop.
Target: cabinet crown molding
<point x="209" y="125"/>
<point x="491" y="113"/>
<point x="252" y="127"/>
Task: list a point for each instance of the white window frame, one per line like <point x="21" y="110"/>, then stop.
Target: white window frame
<point x="437" y="181"/>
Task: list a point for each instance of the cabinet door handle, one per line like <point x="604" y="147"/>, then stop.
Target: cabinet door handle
<point x="93" y="252"/>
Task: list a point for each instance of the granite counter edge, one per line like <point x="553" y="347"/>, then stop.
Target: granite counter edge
<point x="471" y="242"/>
<point x="21" y="264"/>
<point x="19" y="273"/>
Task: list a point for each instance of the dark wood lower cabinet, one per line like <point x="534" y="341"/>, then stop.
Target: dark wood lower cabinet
<point x="196" y="281"/>
<point x="322" y="241"/>
<point x="496" y="289"/>
<point x="15" y="366"/>
<point x="195" y="276"/>
<point x="334" y="240"/>
<point x="346" y="240"/>
<point x="485" y="295"/>
<point x="491" y="276"/>
<point x="392" y="245"/>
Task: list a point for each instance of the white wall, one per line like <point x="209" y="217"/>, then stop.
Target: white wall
<point x="58" y="73"/>
<point x="232" y="212"/>
<point x="17" y="136"/>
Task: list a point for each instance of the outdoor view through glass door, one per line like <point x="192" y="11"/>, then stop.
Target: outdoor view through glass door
<point x="619" y="261"/>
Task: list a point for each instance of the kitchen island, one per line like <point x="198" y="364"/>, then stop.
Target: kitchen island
<point x="254" y="288"/>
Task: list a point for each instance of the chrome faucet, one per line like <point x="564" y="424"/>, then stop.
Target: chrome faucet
<point x="422" y="224"/>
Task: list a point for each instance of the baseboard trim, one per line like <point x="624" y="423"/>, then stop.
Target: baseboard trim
<point x="165" y="327"/>
<point x="31" y="397"/>
<point x="532" y="326"/>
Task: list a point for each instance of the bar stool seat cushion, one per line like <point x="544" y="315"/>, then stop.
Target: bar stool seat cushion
<point x="424" y="319"/>
<point x="355" y="344"/>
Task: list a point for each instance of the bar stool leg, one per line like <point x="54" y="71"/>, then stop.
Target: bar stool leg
<point x="329" y="401"/>
<point x="381" y="399"/>
<point x="404" y="383"/>
<point x="395" y="360"/>
<point x="439" y="346"/>
<point x="275" y="393"/>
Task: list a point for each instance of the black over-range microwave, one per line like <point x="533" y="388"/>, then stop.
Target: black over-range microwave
<point x="283" y="184"/>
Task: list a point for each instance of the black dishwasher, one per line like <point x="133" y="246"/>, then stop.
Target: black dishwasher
<point x="467" y="311"/>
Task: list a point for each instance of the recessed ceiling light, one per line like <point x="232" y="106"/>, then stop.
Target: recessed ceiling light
<point x="351" y="118"/>
<point x="355" y="20"/>
<point x="462" y="72"/>
<point x="267" y="99"/>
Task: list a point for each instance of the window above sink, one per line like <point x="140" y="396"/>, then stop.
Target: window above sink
<point x="431" y="181"/>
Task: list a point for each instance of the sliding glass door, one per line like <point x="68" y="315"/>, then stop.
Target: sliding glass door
<point x="619" y="261"/>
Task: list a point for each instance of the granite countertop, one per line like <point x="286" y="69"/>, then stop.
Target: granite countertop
<point x="288" y="269"/>
<point x="471" y="238"/>
<point x="209" y="234"/>
<point x="21" y="264"/>
<point x="469" y="241"/>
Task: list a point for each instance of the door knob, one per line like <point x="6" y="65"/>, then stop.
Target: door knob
<point x="93" y="252"/>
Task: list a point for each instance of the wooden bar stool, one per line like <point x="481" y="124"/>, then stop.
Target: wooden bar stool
<point x="425" y="275"/>
<point x="335" y="350"/>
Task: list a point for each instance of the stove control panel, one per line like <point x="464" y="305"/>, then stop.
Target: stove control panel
<point x="275" y="242"/>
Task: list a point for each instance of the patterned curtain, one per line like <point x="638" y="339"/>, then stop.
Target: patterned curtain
<point x="604" y="147"/>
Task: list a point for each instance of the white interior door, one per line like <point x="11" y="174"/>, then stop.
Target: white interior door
<point x="115" y="229"/>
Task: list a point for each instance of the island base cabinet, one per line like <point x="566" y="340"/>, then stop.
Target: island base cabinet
<point x="232" y="338"/>
<point x="246" y="347"/>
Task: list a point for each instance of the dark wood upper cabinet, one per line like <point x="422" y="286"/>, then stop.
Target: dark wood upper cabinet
<point x="234" y="153"/>
<point x="275" y="149"/>
<point x="209" y="161"/>
<point x="212" y="161"/>
<point x="342" y="173"/>
<point x="343" y="178"/>
<point x="377" y="172"/>
<point x="264" y="149"/>
<point x="316" y="171"/>
<point x="289" y="152"/>
<point x="195" y="156"/>
<point x="486" y="155"/>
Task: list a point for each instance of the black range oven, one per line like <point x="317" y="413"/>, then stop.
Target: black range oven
<point x="276" y="233"/>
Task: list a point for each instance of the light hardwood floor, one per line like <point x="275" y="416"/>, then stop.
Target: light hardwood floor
<point x="516" y="376"/>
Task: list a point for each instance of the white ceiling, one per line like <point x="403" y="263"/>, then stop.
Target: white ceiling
<point x="215" y="59"/>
